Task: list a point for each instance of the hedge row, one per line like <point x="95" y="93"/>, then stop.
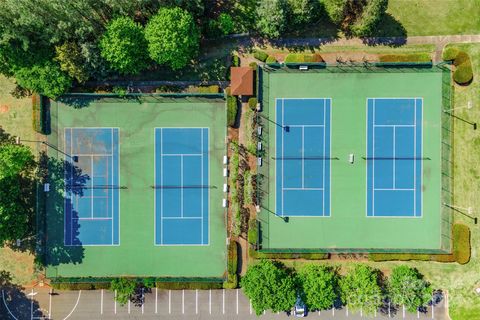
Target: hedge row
<point x="232" y="266"/>
<point x="37" y="112"/>
<point x="260" y="55"/>
<point x="411" y="57"/>
<point x="232" y="109"/>
<point x="252" y="232"/>
<point x="173" y="285"/>
<point x="301" y="57"/>
<point x="460" y="252"/>
<point x="287" y="255"/>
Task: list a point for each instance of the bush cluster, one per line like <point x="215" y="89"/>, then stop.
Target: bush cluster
<point x="260" y="55"/>
<point x="302" y="57"/>
<point x="412" y="57"/>
<point x="463" y="73"/>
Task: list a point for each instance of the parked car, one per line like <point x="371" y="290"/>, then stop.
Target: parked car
<point x="300" y="309"/>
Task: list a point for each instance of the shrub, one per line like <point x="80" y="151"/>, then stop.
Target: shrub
<point x="232" y="109"/>
<point x="271" y="59"/>
<point x="301" y="57"/>
<point x="413" y="57"/>
<point x="168" y="88"/>
<point x="253" y="231"/>
<point x="252" y="103"/>
<point x="253" y="65"/>
<point x="248" y="187"/>
<point x="463" y="73"/>
<point x="124" y="288"/>
<point x="232" y="264"/>
<point x="80" y="286"/>
<point x="225" y="23"/>
<point x="120" y="91"/>
<point x="235" y="60"/>
<point x="450" y="53"/>
<point x="207" y="89"/>
<point x="288" y="255"/>
<point x="232" y="282"/>
<point x="260" y="55"/>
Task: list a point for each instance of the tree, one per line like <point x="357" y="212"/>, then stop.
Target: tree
<point x="124" y="46"/>
<point x="271" y="18"/>
<point x="47" y="79"/>
<point x="319" y="286"/>
<point x="360" y="289"/>
<point x="69" y="56"/>
<point x="173" y="38"/>
<point x="16" y="195"/>
<point x="124" y="288"/>
<point x="406" y="287"/>
<point x="357" y="18"/>
<point x="14" y="160"/>
<point x="301" y="12"/>
<point x="269" y="285"/>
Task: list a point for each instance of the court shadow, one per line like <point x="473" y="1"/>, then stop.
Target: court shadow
<point x="53" y="220"/>
<point x="15" y="304"/>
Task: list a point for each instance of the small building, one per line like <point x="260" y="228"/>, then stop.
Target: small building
<point x="241" y="81"/>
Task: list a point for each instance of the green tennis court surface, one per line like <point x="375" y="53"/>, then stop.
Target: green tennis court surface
<point x="353" y="159"/>
<point x="136" y="187"/>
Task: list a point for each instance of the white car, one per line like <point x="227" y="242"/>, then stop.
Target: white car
<point x="300" y="309"/>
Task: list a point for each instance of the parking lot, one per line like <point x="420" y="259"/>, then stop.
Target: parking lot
<point x="42" y="303"/>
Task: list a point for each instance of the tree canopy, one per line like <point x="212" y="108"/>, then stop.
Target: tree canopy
<point x="16" y="190"/>
<point x="124" y="46"/>
<point x="269" y="285"/>
<point x="173" y="38"/>
<point x="271" y="17"/>
<point x="406" y="287"/>
<point x="124" y="287"/>
<point x="360" y="289"/>
<point x="319" y="286"/>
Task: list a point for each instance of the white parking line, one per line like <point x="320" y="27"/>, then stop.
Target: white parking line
<point x="237" y="301"/>
<point x="115" y="301"/>
<point x="183" y="301"/>
<point x="156" y="300"/>
<point x="128" y="306"/>
<point x="223" y="302"/>
<point x="210" y="301"/>
<point x="250" y="303"/>
<point x="143" y="300"/>
<point x="50" y="304"/>
<point x="169" y="301"/>
<point x="347" y="310"/>
<point x="101" y="303"/>
<point x="196" y="301"/>
<point x="403" y="309"/>
<point x="433" y="312"/>
<point x="418" y="314"/>
<point x="31" y="305"/>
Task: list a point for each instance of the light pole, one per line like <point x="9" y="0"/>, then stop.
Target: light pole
<point x="19" y="141"/>
<point x="468" y="107"/>
<point x="462" y="210"/>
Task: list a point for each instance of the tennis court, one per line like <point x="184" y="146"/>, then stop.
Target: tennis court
<point x="91" y="181"/>
<point x="303" y="157"/>
<point x="181" y="186"/>
<point x="394" y="157"/>
<point x="353" y="159"/>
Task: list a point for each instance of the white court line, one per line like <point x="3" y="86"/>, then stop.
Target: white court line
<point x="307" y="189"/>
<point x="394" y="189"/>
<point x="101" y="302"/>
<point x="182" y="154"/>
<point x="394" y="125"/>
<point x="394" y="154"/>
<point x="74" y="307"/>
<point x="156" y="300"/>
<point x="181" y="186"/>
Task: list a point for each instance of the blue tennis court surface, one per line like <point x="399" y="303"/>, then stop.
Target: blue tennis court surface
<point x="91" y="199"/>
<point x="181" y="186"/>
<point x="303" y="157"/>
<point x="394" y="157"/>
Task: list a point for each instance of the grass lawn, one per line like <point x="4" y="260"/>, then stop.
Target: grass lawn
<point x="432" y="17"/>
<point x="16" y="119"/>
<point x="459" y="280"/>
